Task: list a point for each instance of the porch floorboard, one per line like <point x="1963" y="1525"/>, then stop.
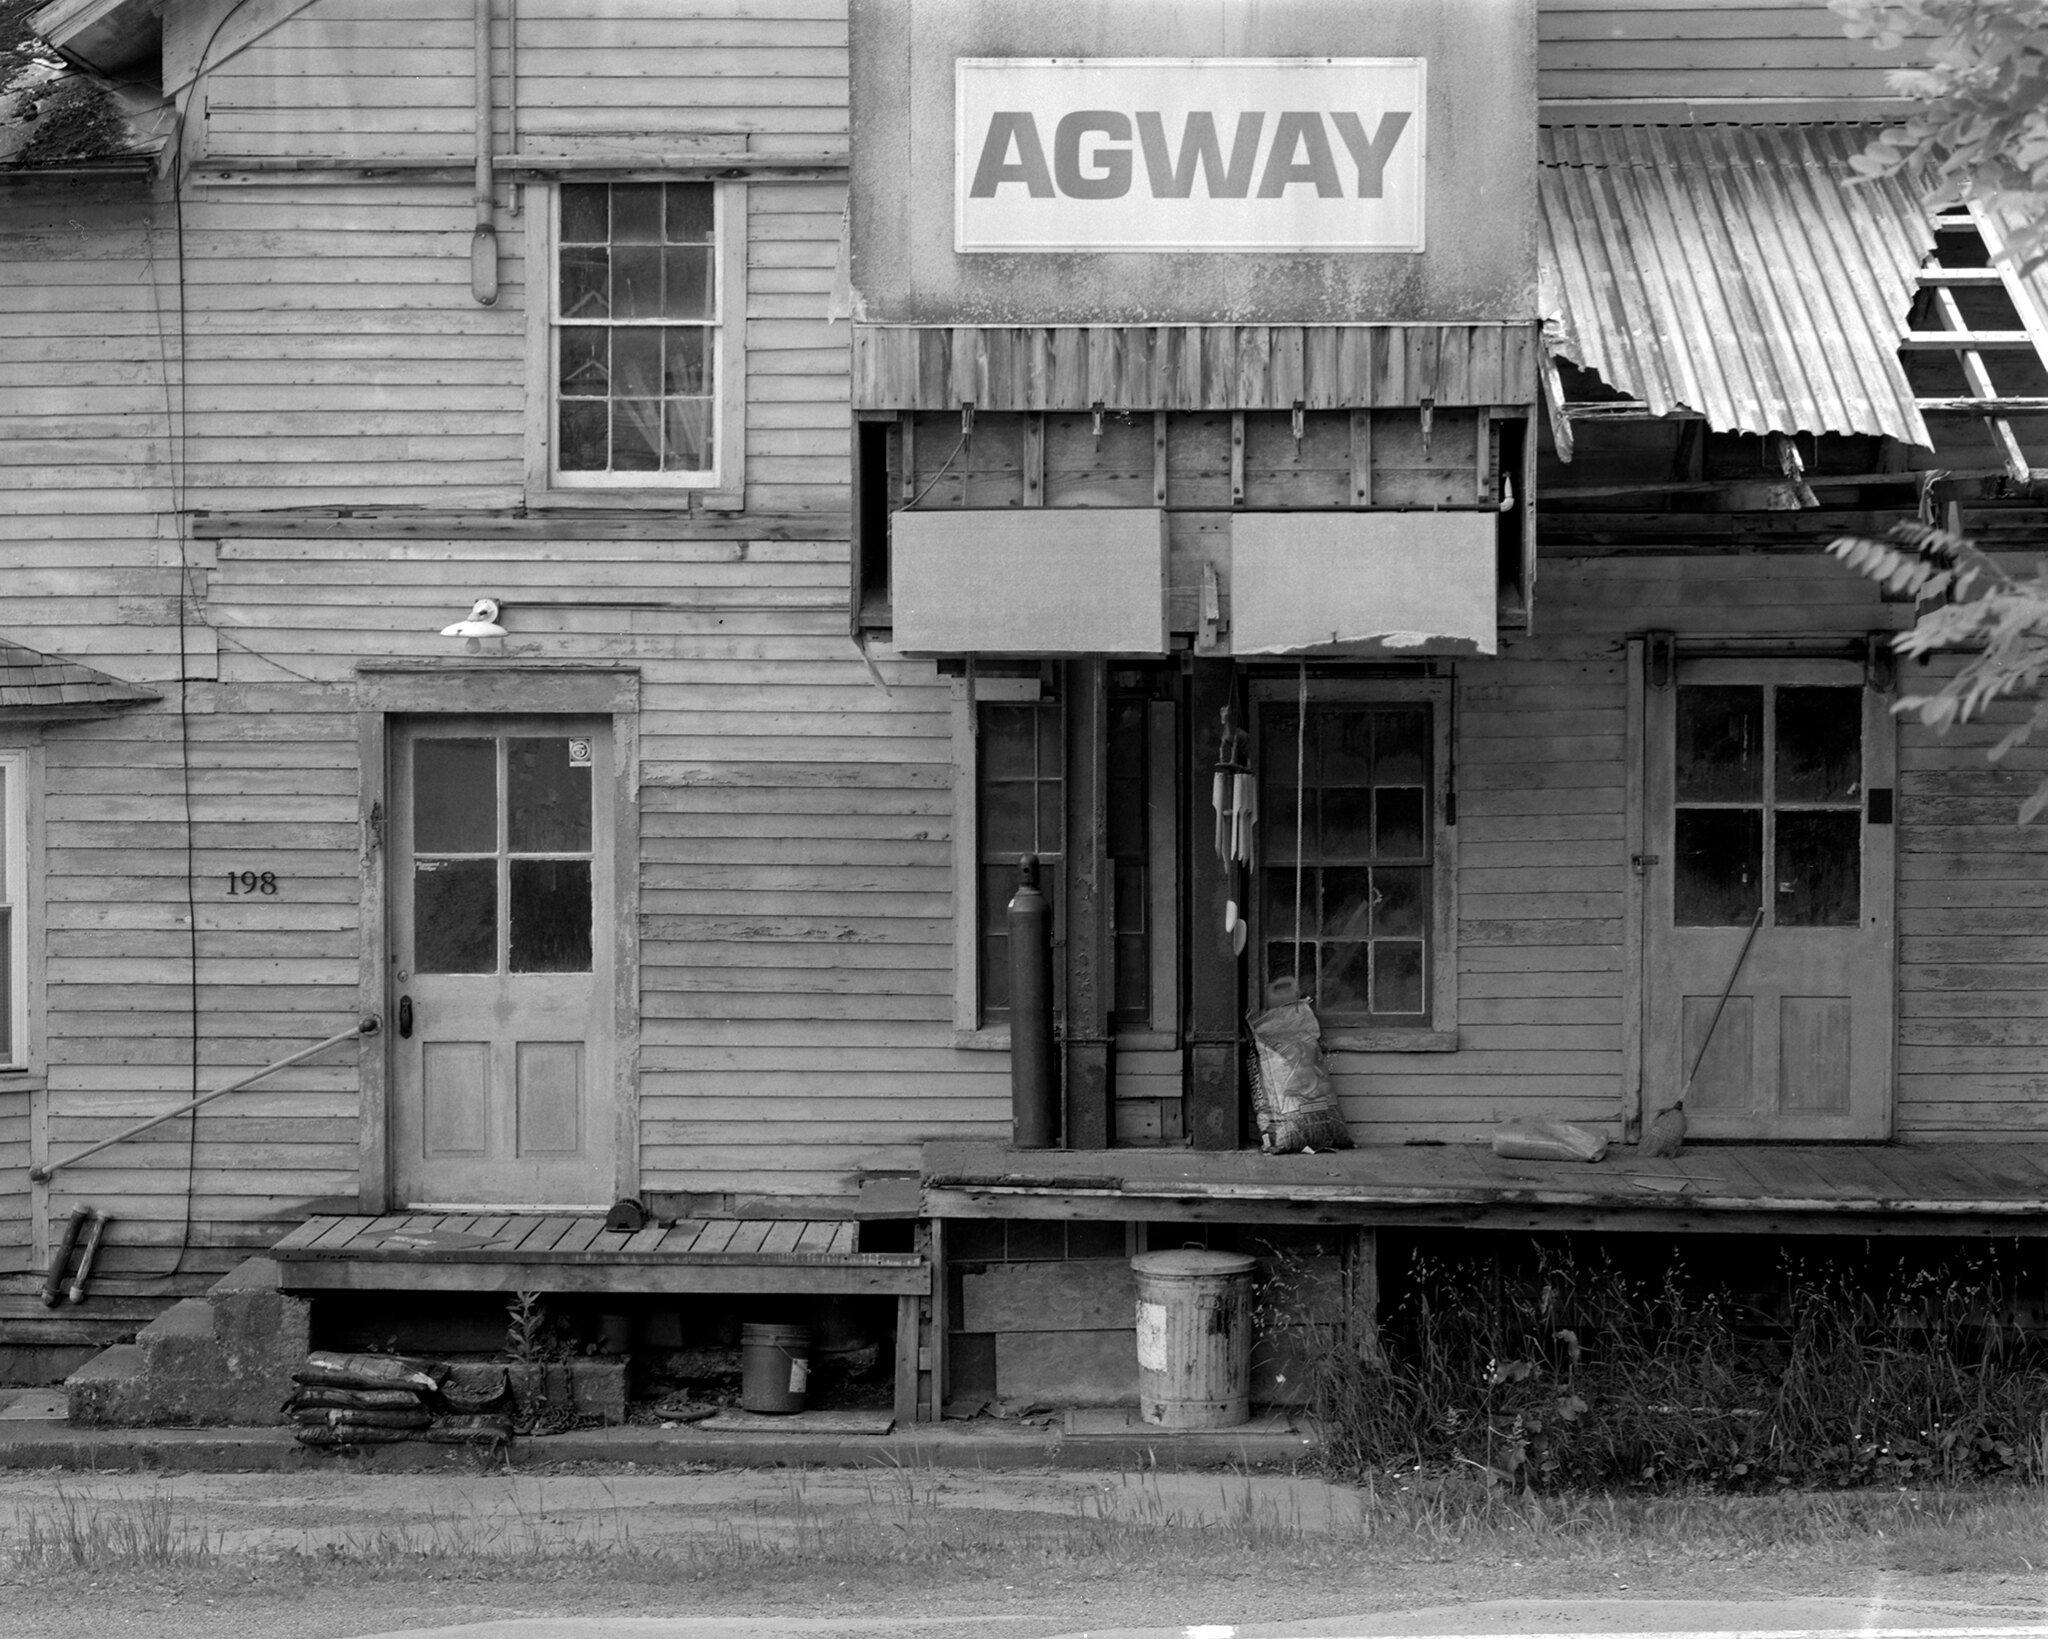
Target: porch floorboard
<point x="1898" y="1189"/>
<point x="446" y="1252"/>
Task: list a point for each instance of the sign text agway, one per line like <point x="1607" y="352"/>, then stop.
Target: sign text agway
<point x="1189" y="154"/>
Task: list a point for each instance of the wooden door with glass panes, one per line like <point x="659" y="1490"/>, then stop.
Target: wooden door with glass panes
<point x="501" y="949"/>
<point x="1770" y="790"/>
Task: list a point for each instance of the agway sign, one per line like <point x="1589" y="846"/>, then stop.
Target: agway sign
<point x="1189" y="154"/>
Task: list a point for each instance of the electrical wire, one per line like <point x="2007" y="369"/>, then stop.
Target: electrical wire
<point x="175" y="441"/>
<point x="943" y="465"/>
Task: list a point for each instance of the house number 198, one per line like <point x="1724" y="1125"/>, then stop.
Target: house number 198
<point x="241" y="882"/>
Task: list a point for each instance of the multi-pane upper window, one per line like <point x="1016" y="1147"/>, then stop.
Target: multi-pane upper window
<point x="502" y="840"/>
<point x="1769" y="786"/>
<point x="1021" y="809"/>
<point x="13" y="911"/>
<point x="636" y="333"/>
<point x="1348" y="838"/>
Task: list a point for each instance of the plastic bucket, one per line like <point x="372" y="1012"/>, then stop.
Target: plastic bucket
<point x="1194" y="1338"/>
<point x="775" y="1367"/>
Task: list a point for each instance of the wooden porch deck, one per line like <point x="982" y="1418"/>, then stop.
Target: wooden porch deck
<point x="447" y="1253"/>
<point x="1883" y="1189"/>
<point x="441" y="1252"/>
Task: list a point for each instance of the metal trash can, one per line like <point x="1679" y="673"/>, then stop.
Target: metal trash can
<point x="1194" y="1338"/>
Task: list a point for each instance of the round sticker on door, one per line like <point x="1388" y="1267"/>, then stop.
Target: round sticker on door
<point x="579" y="753"/>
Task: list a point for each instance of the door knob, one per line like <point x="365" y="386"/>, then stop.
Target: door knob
<point x="405" y="1017"/>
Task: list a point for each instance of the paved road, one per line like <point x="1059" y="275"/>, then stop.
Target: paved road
<point x="1518" y="1619"/>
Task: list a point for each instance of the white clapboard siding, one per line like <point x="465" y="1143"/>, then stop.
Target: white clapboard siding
<point x="1973" y="953"/>
<point x="1541" y="784"/>
<point x="1760" y="51"/>
<point x="364" y="79"/>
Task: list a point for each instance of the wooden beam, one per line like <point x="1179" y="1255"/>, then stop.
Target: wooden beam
<point x="906" y="1360"/>
<point x="1981" y="384"/>
<point x="1090" y="1080"/>
<point x="1950" y="341"/>
<point x="602" y="1276"/>
<point x="1814" y="1218"/>
<point x="1632" y="930"/>
<point x="1361" y="458"/>
<point x="408" y="524"/>
<point x="1214" y="1118"/>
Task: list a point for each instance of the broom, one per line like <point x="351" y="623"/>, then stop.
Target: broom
<point x="1666" y="1135"/>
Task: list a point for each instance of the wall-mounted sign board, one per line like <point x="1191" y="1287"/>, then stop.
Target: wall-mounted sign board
<point x="1156" y="162"/>
<point x="1201" y="154"/>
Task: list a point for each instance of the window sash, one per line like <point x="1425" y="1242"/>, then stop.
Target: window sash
<point x="715" y="424"/>
<point x="1412" y="950"/>
<point x="13" y="909"/>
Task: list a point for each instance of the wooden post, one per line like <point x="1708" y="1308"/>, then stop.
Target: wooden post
<point x="1632" y="895"/>
<point x="1214" y="1119"/>
<point x="932" y="1363"/>
<point x="1090" y="1081"/>
<point x="1362" y="1290"/>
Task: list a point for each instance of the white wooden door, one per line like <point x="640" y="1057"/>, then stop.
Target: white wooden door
<point x="1770" y="788"/>
<point x="501" y="939"/>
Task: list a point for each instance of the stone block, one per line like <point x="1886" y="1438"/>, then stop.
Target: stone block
<point x="109" y="1392"/>
<point x="598" y="1389"/>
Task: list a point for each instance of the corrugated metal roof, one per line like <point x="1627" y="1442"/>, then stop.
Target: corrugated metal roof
<point x="35" y="684"/>
<point x="1734" y="271"/>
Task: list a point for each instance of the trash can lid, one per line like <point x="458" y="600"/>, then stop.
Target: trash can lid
<point x="1192" y="1260"/>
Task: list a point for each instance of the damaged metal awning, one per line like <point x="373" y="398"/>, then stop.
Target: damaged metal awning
<point x="38" y="687"/>
<point x="1735" y="272"/>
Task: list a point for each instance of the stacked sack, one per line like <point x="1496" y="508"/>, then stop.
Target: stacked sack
<point x="380" y="1399"/>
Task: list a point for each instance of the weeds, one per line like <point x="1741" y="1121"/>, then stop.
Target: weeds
<point x="1575" y="1373"/>
<point x="72" y="1534"/>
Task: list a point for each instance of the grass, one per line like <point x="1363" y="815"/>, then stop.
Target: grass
<point x="1573" y="1373"/>
<point x="69" y="1533"/>
<point x="903" y="1521"/>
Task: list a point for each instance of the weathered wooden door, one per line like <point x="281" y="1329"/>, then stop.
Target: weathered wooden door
<point x="1770" y="789"/>
<point x="501" y="939"/>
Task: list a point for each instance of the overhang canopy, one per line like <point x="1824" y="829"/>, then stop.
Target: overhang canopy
<point x="1737" y="271"/>
<point x="1401" y="584"/>
<point x="37" y="687"/>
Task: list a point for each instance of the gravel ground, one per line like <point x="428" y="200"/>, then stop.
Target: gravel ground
<point x="944" y="1554"/>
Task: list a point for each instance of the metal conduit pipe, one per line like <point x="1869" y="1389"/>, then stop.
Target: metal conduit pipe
<point x="483" y="244"/>
<point x="368" y="1025"/>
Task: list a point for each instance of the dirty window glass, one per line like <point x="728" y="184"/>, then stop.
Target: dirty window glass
<point x="1720" y="743"/>
<point x="1019" y="810"/>
<point x="1820" y="745"/>
<point x="1720" y="867"/>
<point x="550" y="916"/>
<point x="636" y="330"/>
<point x="1356" y="925"/>
<point x="455" y="796"/>
<point x="547" y="795"/>
<point x="455" y="915"/>
<point x="1819" y="868"/>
